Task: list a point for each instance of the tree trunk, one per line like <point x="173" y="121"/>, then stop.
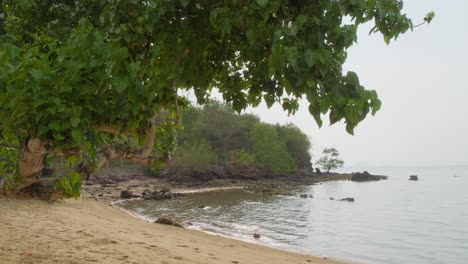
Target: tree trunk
<point x="30" y="166"/>
<point x="30" y="163"/>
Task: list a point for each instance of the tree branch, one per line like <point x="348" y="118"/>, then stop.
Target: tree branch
<point x="120" y="151"/>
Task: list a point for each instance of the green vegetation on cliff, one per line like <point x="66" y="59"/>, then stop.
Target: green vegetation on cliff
<point x="215" y="136"/>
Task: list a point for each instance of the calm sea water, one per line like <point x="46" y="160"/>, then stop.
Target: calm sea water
<point x="393" y="221"/>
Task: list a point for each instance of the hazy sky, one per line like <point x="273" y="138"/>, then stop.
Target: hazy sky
<point x="420" y="79"/>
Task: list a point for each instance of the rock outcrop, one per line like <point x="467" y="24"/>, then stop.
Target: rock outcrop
<point x="347" y="199"/>
<point x="126" y="194"/>
<point x="168" y="221"/>
<point x="366" y="176"/>
<point x="413" y="177"/>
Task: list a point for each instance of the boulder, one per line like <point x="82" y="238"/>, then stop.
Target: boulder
<point x="146" y="194"/>
<point x="256" y="235"/>
<point x="311" y="196"/>
<point x="126" y="194"/>
<point x="347" y="199"/>
<point x="413" y="177"/>
<point x="318" y="171"/>
<point x="168" y="221"/>
<point x="366" y="176"/>
<point x="303" y="195"/>
<point x="160" y="195"/>
<point x="331" y="198"/>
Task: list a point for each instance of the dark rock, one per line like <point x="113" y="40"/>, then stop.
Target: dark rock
<point x="303" y="196"/>
<point x="331" y="198"/>
<point x="160" y="195"/>
<point x="168" y="221"/>
<point x="256" y="235"/>
<point x="146" y="194"/>
<point x="318" y="171"/>
<point x="202" y="206"/>
<point x="311" y="196"/>
<point x="126" y="194"/>
<point x="413" y="177"/>
<point x="347" y="199"/>
<point x="366" y="176"/>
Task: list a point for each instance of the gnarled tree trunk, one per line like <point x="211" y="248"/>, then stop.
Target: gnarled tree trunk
<point x="32" y="153"/>
<point x="31" y="159"/>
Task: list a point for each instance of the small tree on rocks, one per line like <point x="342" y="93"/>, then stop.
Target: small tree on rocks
<point x="330" y="159"/>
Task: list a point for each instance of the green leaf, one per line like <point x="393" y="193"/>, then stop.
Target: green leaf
<point x="75" y="121"/>
<point x="262" y="3"/>
<point x="291" y="55"/>
<point x="120" y="84"/>
<point x="37" y="74"/>
<point x="251" y="36"/>
<point x="315" y="112"/>
<point x="350" y="129"/>
<point x="77" y="134"/>
<point x="310" y="58"/>
<point x="377" y="104"/>
<point x="184" y="3"/>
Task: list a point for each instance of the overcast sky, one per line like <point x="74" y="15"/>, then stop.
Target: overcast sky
<point x="420" y="79"/>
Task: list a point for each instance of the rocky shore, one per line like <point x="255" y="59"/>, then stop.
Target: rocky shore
<point x="111" y="188"/>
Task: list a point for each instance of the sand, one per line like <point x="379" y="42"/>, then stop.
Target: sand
<point x="85" y="231"/>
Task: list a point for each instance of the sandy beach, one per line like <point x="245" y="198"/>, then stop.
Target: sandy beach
<point x="85" y="231"/>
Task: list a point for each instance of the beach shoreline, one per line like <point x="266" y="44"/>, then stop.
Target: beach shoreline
<point x="84" y="230"/>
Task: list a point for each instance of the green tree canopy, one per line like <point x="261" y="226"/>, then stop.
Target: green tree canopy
<point x="269" y="150"/>
<point x="77" y="75"/>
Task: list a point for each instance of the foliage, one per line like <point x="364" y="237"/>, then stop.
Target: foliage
<point x="243" y="139"/>
<point x="270" y="152"/>
<point x="297" y="144"/>
<point x="194" y="158"/>
<point x="70" y="185"/>
<point x="244" y="158"/>
<point x="69" y="67"/>
<point x="330" y="159"/>
<point x="8" y="167"/>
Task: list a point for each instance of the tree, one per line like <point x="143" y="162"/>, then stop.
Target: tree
<point x="297" y="144"/>
<point x="330" y="159"/>
<point x="270" y="152"/>
<point x="78" y="76"/>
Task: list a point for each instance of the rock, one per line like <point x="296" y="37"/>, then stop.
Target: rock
<point x="303" y="196"/>
<point x="331" y="198"/>
<point x="146" y="194"/>
<point x="366" y="176"/>
<point x="256" y="235"/>
<point x="110" y="185"/>
<point x="318" y="171"/>
<point x="89" y="183"/>
<point x="126" y="194"/>
<point x="158" y="195"/>
<point x="413" y="177"/>
<point x="347" y="199"/>
<point x="311" y="196"/>
<point x="168" y="221"/>
<point x="202" y="206"/>
<point x="164" y="190"/>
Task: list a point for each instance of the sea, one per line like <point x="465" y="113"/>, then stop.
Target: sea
<point x="392" y="221"/>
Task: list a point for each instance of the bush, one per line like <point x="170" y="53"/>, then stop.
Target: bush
<point x="244" y="158"/>
<point x="194" y="158"/>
